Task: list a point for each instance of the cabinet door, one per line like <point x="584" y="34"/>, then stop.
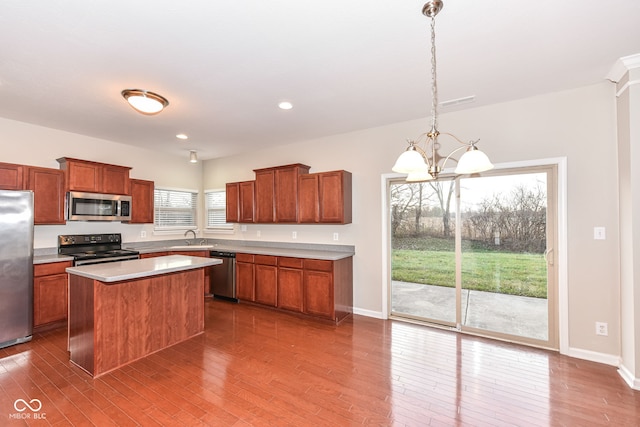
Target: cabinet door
<point x="153" y="254"/>
<point x="246" y="201"/>
<point x="335" y="197"/>
<point x="49" y="299"/>
<point x="265" y="202"/>
<point x="318" y="293"/>
<point x="142" y="201"/>
<point x="245" y="289"/>
<point x="232" y="200"/>
<point x="266" y="284"/>
<point x="11" y="176"/>
<point x="115" y="179"/>
<point x="48" y="194"/>
<point x="308" y="199"/>
<point x="290" y="289"/>
<point x="286" y="194"/>
<point x="82" y="176"/>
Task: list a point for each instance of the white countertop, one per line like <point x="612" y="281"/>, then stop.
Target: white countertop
<point x="138" y="268"/>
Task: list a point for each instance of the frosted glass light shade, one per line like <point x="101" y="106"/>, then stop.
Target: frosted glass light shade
<point x="144" y="101"/>
<point x="410" y="162"/>
<point x="473" y="161"/>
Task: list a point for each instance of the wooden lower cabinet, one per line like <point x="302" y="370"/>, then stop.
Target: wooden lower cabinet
<point x="317" y="288"/>
<point x="245" y="277"/>
<point x="266" y="278"/>
<point x="290" y="286"/>
<point x="50" y="293"/>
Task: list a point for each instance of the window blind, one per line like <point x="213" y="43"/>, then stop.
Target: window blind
<point x="216" y="207"/>
<point x="175" y="208"/>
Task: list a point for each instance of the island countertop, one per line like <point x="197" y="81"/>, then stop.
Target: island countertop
<point x="134" y="269"/>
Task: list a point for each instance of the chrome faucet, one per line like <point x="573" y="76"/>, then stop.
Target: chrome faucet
<point x="194" y="236"/>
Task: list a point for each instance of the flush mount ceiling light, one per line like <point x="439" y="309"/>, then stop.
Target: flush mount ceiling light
<point x="182" y="136"/>
<point x="424" y="164"/>
<point x="145" y="102"/>
<point x="193" y="156"/>
<point x="285" y="105"/>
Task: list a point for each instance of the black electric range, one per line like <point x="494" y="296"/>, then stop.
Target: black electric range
<point x="94" y="248"/>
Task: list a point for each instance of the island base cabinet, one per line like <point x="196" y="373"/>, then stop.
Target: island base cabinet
<point x="111" y="325"/>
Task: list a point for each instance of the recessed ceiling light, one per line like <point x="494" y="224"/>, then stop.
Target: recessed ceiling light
<point x="285" y="105"/>
<point x="182" y="136"/>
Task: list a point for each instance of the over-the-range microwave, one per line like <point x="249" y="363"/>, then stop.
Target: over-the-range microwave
<point x="82" y="206"/>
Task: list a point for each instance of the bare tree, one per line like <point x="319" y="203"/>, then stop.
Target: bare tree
<point x="444" y="192"/>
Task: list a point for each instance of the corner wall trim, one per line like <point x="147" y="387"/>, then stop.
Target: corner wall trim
<point x="628" y="377"/>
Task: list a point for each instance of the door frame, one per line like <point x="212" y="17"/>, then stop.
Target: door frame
<point x="562" y="230"/>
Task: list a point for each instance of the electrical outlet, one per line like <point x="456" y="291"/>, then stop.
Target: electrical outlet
<point x="602" y="328"/>
<point x="294" y="235"/>
<point x="336" y="236"/>
<point x="143" y="234"/>
<point x="243" y="228"/>
<point x="258" y="233"/>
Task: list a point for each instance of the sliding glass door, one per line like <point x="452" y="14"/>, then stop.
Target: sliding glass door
<point x="476" y="253"/>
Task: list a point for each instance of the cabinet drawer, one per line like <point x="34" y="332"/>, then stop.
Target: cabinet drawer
<point x="266" y="260"/>
<point x="244" y="257"/>
<point x="290" y="262"/>
<point x="318" y="265"/>
<point x="50" y="268"/>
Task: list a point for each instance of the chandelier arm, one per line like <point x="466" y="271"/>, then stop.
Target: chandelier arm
<point x="466" y="145"/>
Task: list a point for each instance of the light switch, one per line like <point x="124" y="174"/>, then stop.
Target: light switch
<point x="599" y="233"/>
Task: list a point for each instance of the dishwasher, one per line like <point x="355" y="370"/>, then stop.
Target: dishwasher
<point x="223" y="276"/>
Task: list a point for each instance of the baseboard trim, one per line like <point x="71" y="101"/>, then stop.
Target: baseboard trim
<point x="368" y="313"/>
<point x="628" y="377"/>
<point x="594" y="356"/>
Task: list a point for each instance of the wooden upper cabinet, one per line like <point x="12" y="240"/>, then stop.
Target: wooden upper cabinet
<point x="232" y="198"/>
<point x="240" y="201"/>
<point x="93" y="177"/>
<point x="277" y="193"/>
<point x="286" y="192"/>
<point x="246" y="201"/>
<point x="264" y="197"/>
<point x="325" y="197"/>
<point x="334" y="189"/>
<point x="308" y="198"/>
<point x="142" y="201"/>
<point x="48" y="194"/>
<point x="115" y="180"/>
<point x="291" y="195"/>
<point x="11" y="176"/>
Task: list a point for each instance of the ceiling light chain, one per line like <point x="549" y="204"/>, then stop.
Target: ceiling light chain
<point x="415" y="161"/>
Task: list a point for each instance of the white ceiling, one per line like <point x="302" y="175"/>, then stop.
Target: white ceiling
<point x="345" y="65"/>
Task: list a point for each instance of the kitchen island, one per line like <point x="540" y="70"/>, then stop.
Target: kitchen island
<point x="123" y="311"/>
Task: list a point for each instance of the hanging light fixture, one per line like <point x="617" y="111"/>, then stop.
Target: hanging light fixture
<point x="193" y="156"/>
<point x="145" y="102"/>
<point x="423" y="164"/>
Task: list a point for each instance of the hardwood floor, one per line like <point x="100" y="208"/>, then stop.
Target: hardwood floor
<point x="258" y="367"/>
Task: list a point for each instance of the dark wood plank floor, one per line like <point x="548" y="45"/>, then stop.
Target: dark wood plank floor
<point x="258" y="367"/>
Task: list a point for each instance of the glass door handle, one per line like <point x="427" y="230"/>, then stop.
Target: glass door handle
<point x="547" y="259"/>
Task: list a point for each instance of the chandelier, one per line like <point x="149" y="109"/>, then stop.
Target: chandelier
<point x="421" y="164"/>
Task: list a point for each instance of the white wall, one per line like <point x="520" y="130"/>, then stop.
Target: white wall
<point x="577" y="124"/>
<point x="39" y="146"/>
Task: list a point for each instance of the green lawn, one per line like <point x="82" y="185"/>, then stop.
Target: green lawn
<point x="503" y="272"/>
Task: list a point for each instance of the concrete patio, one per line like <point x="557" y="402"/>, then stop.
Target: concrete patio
<point x="509" y="314"/>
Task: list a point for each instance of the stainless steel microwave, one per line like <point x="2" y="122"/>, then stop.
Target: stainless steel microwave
<point x="97" y="207"/>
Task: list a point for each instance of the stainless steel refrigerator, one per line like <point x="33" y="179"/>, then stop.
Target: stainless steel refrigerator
<point x="16" y="267"/>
